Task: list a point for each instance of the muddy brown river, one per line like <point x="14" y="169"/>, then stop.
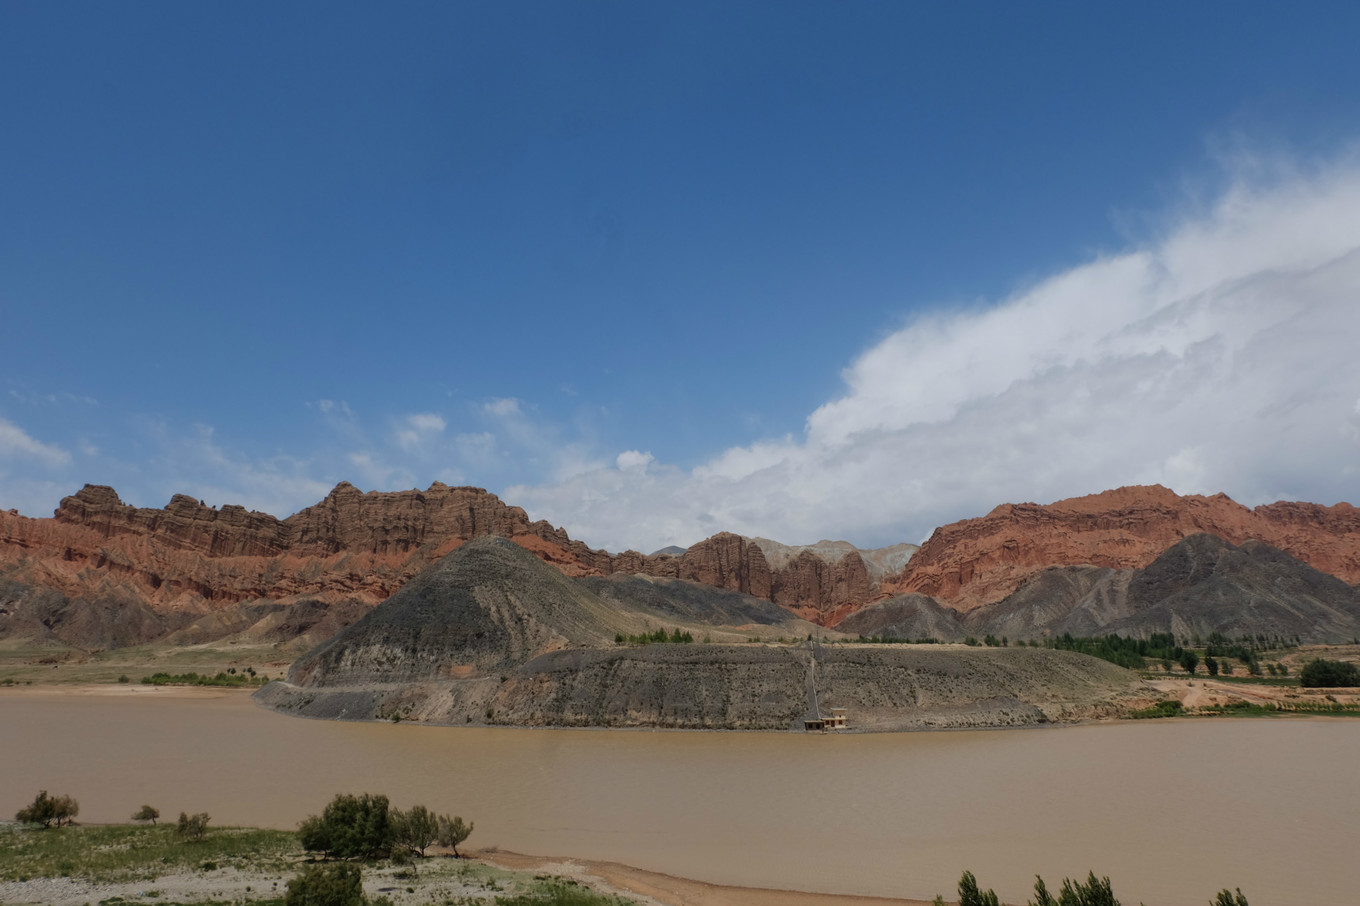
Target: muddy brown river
<point x="1171" y="811"/>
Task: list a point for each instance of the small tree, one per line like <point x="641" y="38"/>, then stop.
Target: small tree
<point x="45" y="809"/>
<point x="193" y="827"/>
<point x="1095" y="892"/>
<point x="146" y="813"/>
<point x="1189" y="660"/>
<point x="453" y="831"/>
<point x="65" y="810"/>
<point x="339" y="884"/>
<point x="1226" y="899"/>
<point x="39" y="811"/>
<point x="415" y="829"/>
<point x="970" y="895"/>
<point x="1211" y="665"/>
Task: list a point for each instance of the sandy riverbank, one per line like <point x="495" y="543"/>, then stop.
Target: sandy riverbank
<point x="652" y="887"/>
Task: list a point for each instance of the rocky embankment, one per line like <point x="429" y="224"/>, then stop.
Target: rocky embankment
<point x="743" y="687"/>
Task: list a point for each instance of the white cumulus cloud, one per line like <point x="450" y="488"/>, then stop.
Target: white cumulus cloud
<point x="1218" y="356"/>
<point x="633" y="459"/>
<point x="416" y="430"/>
<point x="16" y="443"/>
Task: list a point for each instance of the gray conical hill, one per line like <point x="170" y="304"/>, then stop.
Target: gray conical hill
<point x="1204" y="585"/>
<point x="488" y="605"/>
<point x="906" y="617"/>
<point x="1198" y="586"/>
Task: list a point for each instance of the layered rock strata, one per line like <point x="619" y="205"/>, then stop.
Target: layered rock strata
<point x="979" y="561"/>
<point x="362" y="546"/>
<point x="359" y="548"/>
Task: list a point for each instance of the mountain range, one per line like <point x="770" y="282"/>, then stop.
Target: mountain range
<point x="102" y="574"/>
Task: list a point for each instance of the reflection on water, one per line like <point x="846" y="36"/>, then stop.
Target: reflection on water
<point x="1172" y="811"/>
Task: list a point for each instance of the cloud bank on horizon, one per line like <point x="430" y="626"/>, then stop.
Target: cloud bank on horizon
<point x="1219" y="356"/>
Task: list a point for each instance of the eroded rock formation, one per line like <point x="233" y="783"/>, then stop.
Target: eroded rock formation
<point x="979" y="561"/>
<point x="363" y="546"/>
<point x="357" y="548"/>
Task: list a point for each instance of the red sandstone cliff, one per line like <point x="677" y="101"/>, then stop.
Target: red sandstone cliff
<point x="351" y="545"/>
<point x="355" y="546"/>
<point x="189" y="556"/>
<point x="979" y="561"/>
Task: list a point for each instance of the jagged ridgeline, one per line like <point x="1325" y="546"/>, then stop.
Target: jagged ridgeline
<point x="491" y="634"/>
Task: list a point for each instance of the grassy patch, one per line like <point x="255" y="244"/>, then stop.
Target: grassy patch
<point x="560" y="892"/>
<point x="1168" y="708"/>
<point x="1247" y="709"/>
<point x="111" y="853"/>
<point x="67" y="666"/>
<point x="1257" y="680"/>
<point x="197" y="679"/>
<point x="125" y="901"/>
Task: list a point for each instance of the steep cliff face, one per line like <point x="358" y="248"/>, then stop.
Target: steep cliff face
<point x="818" y="590"/>
<point x="724" y="561"/>
<point x="979" y="561"/>
<point x="184" y="524"/>
<point x="196" y="558"/>
<point x="357" y="546"/>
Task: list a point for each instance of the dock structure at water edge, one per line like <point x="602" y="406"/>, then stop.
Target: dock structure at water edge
<point x="816" y="721"/>
<point x="825" y="724"/>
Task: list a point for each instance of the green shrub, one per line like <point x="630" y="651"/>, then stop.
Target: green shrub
<point x="1319" y="673"/>
<point x="1167" y="708"/>
<point x="350" y="827"/>
<point x="193" y="827"/>
<point x="339" y="884"/>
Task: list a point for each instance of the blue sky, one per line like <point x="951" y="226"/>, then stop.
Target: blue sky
<point x="654" y="271"/>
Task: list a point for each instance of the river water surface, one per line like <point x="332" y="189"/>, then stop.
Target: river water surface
<point x="1171" y="811"/>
